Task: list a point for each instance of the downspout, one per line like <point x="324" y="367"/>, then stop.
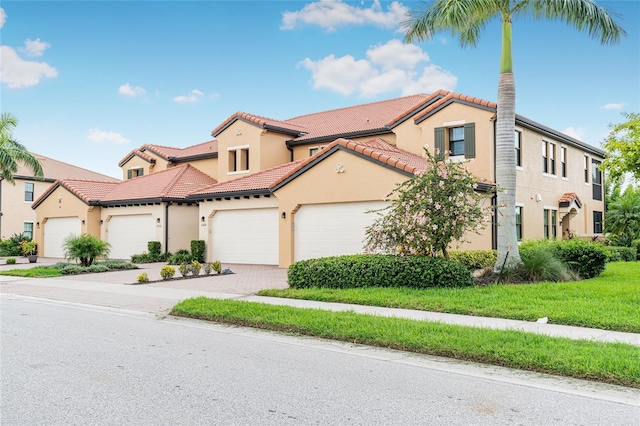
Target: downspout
<point x="290" y="149"/>
<point x="166" y="226"/>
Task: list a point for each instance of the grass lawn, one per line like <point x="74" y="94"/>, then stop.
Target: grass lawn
<point x="607" y="362"/>
<point x="610" y="301"/>
<point x="36" y="272"/>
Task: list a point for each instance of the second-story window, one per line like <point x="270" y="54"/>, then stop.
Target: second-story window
<point x="548" y="158"/>
<point x="131" y="173"/>
<point x="563" y="159"/>
<point x="586" y="169"/>
<point x="28" y="191"/>
<point x="238" y="159"/>
<point x="596" y="180"/>
<point x="518" y="143"/>
<point x="456" y="141"/>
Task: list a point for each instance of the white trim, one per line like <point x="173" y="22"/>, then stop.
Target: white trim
<point x="235" y="148"/>
<point x="456" y="158"/>
<point x="454" y="123"/>
<point x="549" y="208"/>
<point x="564" y="178"/>
<point x="519" y="204"/>
<point x="549" y="175"/>
<point x="238" y="172"/>
<point x="520" y="168"/>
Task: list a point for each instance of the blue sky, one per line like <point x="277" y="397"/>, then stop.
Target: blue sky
<point x="89" y="81"/>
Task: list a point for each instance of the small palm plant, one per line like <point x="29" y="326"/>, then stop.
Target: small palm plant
<point x="86" y="248"/>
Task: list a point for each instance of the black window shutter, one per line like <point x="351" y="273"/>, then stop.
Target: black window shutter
<point x="470" y="140"/>
<point x="438" y="140"/>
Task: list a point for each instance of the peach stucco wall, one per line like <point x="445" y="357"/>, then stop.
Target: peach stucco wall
<point x="16" y="211"/>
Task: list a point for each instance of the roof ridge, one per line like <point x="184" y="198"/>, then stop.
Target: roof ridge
<point x="175" y="179"/>
<point x="358" y="106"/>
<point x="72" y="165"/>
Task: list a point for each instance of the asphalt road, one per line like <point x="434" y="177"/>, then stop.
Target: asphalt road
<point x="64" y="363"/>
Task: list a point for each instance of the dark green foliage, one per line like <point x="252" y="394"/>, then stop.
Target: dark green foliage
<point x="587" y="258"/>
<point x="141" y="258"/>
<point x="539" y="264"/>
<point x="67" y="268"/>
<point x="181" y="256"/>
<point x="154" y="248"/>
<point x="72" y="270"/>
<point x="376" y="270"/>
<point x="474" y="259"/>
<point x="86" y="248"/>
<point x="636" y="245"/>
<point x="11" y="246"/>
<point x="624" y="254"/>
<point x="11" y="261"/>
<point x="198" y="250"/>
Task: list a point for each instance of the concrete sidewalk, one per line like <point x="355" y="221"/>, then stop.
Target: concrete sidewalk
<point x="107" y="289"/>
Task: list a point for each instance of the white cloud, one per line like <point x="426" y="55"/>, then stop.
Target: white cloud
<point x="330" y="14"/>
<point x="100" y="136"/>
<point x="35" y="47"/>
<point x="192" y="97"/>
<point x="614" y="106"/>
<point x="574" y="133"/>
<point x="391" y="67"/>
<point x="129" y="90"/>
<point x="15" y="72"/>
<point x="3" y="17"/>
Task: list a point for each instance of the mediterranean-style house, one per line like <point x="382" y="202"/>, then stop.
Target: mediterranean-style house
<point x="269" y="191"/>
<point x="16" y="214"/>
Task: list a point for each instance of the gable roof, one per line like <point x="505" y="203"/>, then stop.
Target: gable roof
<point x="568" y="198"/>
<point x="168" y="185"/>
<point x="208" y="149"/>
<point x="136" y="152"/>
<point x="255" y="183"/>
<point x="280" y="126"/>
<point x="55" y="170"/>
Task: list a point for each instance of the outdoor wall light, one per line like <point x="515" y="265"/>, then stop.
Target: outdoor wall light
<point x="83" y="221"/>
<point x="202" y="219"/>
<point x="283" y="215"/>
<point x="101" y="221"/>
<point x="38" y="224"/>
<point x="158" y="220"/>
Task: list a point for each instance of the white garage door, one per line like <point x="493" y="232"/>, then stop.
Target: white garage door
<point x="245" y="236"/>
<point x="56" y="230"/>
<point x="323" y="230"/>
<point x="129" y="234"/>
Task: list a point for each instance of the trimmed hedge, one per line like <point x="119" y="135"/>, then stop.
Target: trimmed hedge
<point x="198" y="250"/>
<point x="378" y="270"/>
<point x="474" y="259"/>
<point x="636" y="244"/>
<point x="154" y="248"/>
<point x="624" y="254"/>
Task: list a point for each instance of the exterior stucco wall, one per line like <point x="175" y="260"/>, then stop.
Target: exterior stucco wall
<point x="240" y="133"/>
<point x="455" y="115"/>
<point x="62" y="203"/>
<point x="183" y="226"/>
<point x="16" y="211"/>
<point x="208" y="166"/>
<point x="208" y="209"/>
<point x="273" y="150"/>
<point x="362" y="180"/>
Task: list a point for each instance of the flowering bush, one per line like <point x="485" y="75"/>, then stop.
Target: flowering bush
<point x="430" y="211"/>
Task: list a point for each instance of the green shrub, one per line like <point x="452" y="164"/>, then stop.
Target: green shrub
<point x="142" y="258"/>
<point x="474" y="259"/>
<point x="624" y="254"/>
<point x="586" y="258"/>
<point x="167" y="272"/>
<point x="143" y="278"/>
<point x="540" y="264"/>
<point x="636" y="244"/>
<point x="195" y="268"/>
<point x="86" y="248"/>
<point x="198" y="250"/>
<point x="117" y="264"/>
<point x="184" y="269"/>
<point x="11" y="246"/>
<point x="375" y="270"/>
<point x="181" y="256"/>
<point x="96" y="267"/>
<point x="216" y="266"/>
<point x="71" y="270"/>
<point x="206" y="268"/>
<point x="11" y="261"/>
<point x="154" y="248"/>
<point x="164" y="257"/>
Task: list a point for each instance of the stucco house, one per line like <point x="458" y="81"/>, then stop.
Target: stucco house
<point x="292" y="189"/>
<point x="16" y="214"/>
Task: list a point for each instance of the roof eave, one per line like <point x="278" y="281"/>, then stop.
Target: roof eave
<point x="331" y="138"/>
<point x="229" y="194"/>
<point x="193" y="157"/>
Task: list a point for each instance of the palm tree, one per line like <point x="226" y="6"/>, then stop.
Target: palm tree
<point x="467" y="18"/>
<point x="622" y="220"/>
<point x="13" y="152"/>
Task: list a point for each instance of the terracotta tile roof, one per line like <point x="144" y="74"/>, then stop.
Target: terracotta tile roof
<point x="175" y="182"/>
<point x="171" y="153"/>
<point x="263" y="122"/>
<point x="452" y="96"/>
<point x="256" y="181"/>
<point x="87" y="190"/>
<point x="139" y="153"/>
<point x="55" y="170"/>
<point x="376" y="149"/>
<point x="567" y="198"/>
<point x="359" y="118"/>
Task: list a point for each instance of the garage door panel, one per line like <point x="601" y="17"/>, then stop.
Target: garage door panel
<point x="56" y="230"/>
<point x="323" y="230"/>
<point x="245" y="236"/>
<point x="129" y="234"/>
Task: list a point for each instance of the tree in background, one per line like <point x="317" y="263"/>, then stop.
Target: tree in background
<point x="623" y="148"/>
<point x="430" y="211"/>
<point x="622" y="218"/>
<point x="467" y="18"/>
<point x="13" y="152"/>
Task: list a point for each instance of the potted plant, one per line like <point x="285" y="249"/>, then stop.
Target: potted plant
<point x="30" y="250"/>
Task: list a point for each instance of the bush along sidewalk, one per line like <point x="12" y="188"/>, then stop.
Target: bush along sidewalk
<point x="193" y="269"/>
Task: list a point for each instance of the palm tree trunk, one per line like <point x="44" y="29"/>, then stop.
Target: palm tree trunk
<point x="508" y="254"/>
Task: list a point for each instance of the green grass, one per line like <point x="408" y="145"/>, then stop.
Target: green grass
<point x="607" y="362"/>
<point x="610" y="301"/>
<point x="36" y="272"/>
